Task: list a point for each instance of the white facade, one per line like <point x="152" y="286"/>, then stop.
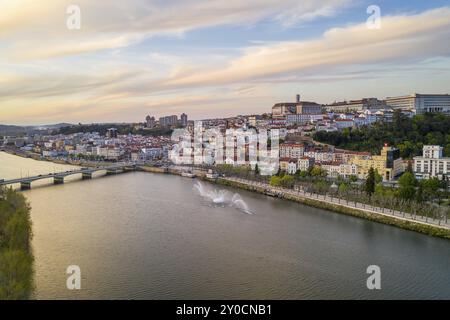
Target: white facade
<point x="109" y="153"/>
<point x="421" y="103"/>
<point x="303" y="164"/>
<point x="344" y="123"/>
<point x="432" y="164"/>
<point x="291" y="150"/>
<point x="432" y="152"/>
<point x="320" y="156"/>
<point x="292" y="167"/>
<point x="335" y="170"/>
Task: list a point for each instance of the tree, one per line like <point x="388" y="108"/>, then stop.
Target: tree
<point x="409" y="134"/>
<point x="256" y="170"/>
<point x="303" y="174"/>
<point x="369" y="186"/>
<point x="430" y="187"/>
<point x="317" y="171"/>
<point x="275" y="181"/>
<point x="420" y="193"/>
<point x="378" y="177"/>
<point x="321" y="186"/>
<point x="407" y="183"/>
<point x="16" y="259"/>
<point x="343" y="188"/>
<point x="287" y="181"/>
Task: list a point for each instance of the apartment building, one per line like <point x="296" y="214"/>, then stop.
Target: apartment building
<point x="432" y="164"/>
<point x="388" y="164"/>
<point x="291" y="150"/>
<point x="305" y="163"/>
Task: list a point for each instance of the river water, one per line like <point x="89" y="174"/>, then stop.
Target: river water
<point x="152" y="236"/>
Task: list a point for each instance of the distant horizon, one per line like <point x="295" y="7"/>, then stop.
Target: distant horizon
<point x="142" y="120"/>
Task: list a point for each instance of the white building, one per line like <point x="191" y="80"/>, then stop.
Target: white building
<point x="304" y="163"/>
<point x="432" y="163"/>
<point x="291" y="150"/>
<point x="109" y="152"/>
<point x="336" y="169"/>
<point x="292" y="167"/>
<point x="344" y="123"/>
<point x="319" y="155"/>
<point x="421" y="103"/>
<point x="356" y="105"/>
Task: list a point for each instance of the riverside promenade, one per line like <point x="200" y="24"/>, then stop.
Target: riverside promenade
<point x="289" y="193"/>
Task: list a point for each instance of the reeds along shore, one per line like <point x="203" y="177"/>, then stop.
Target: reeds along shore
<point x="16" y="257"/>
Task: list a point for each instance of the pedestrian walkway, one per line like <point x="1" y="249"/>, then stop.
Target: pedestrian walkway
<point x="279" y="191"/>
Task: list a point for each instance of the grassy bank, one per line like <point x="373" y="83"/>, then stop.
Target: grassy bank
<point x="16" y="258"/>
<point x="408" y="225"/>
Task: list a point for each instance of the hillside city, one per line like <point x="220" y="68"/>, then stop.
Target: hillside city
<point x="297" y="123"/>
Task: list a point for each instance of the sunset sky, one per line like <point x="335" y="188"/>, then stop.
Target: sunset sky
<point x="211" y="58"/>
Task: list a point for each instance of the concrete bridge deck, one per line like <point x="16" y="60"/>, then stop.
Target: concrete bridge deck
<point x="58" y="178"/>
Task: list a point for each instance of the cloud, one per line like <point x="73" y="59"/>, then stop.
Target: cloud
<point x="117" y="84"/>
<point x="56" y="85"/>
<point x="37" y="29"/>
<point x="401" y="38"/>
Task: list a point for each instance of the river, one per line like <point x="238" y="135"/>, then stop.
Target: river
<point x="152" y="236"/>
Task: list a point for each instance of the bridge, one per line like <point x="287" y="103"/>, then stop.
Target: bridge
<point x="58" y="178"/>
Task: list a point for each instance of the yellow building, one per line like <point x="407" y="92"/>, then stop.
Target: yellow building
<point x="388" y="164"/>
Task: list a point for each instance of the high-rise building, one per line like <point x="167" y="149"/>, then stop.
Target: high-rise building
<point x="150" y="122"/>
<point x="168" y="121"/>
<point x="111" y="133"/>
<point x="421" y="103"/>
<point x="184" y="119"/>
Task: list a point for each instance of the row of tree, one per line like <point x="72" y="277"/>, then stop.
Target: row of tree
<point x="409" y="189"/>
<point x="16" y="259"/>
<point x="408" y="134"/>
<point x="426" y="197"/>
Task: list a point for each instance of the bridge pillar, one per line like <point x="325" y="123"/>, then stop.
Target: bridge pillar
<point x="112" y="171"/>
<point x="25" y="185"/>
<point x="87" y="175"/>
<point x="58" y="180"/>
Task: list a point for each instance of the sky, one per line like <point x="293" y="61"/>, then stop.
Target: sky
<point x="211" y="58"/>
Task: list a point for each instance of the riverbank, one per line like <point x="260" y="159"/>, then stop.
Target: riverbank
<point x="379" y="217"/>
<point x="16" y="258"/>
<point x="38" y="157"/>
<point x="362" y="212"/>
<point x="343" y="208"/>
